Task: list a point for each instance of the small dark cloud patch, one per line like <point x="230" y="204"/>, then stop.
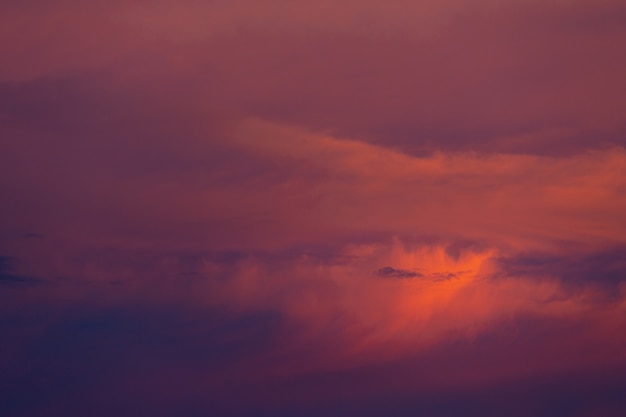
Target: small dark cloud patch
<point x="444" y="276"/>
<point x="389" y="272"/>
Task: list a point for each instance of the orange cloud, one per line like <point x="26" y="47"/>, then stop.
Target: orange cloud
<point x="350" y="316"/>
<point x="516" y="199"/>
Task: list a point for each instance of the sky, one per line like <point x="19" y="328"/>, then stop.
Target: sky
<point x="297" y="208"/>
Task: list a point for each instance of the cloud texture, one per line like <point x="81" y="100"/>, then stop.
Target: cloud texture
<point x="297" y="208"/>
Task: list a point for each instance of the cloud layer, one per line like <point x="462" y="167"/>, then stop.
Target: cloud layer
<point x="312" y="208"/>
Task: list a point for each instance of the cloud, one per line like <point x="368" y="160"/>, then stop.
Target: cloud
<point x="605" y="268"/>
<point x="523" y="77"/>
<point x="15" y="281"/>
<point x="282" y="208"/>
<point x="465" y="193"/>
<point x="86" y="348"/>
<point x="389" y="272"/>
<point x="12" y="279"/>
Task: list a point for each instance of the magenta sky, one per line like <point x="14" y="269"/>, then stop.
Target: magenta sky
<point x="313" y="208"/>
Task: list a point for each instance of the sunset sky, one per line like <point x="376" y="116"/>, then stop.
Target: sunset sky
<point x="297" y="208"/>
